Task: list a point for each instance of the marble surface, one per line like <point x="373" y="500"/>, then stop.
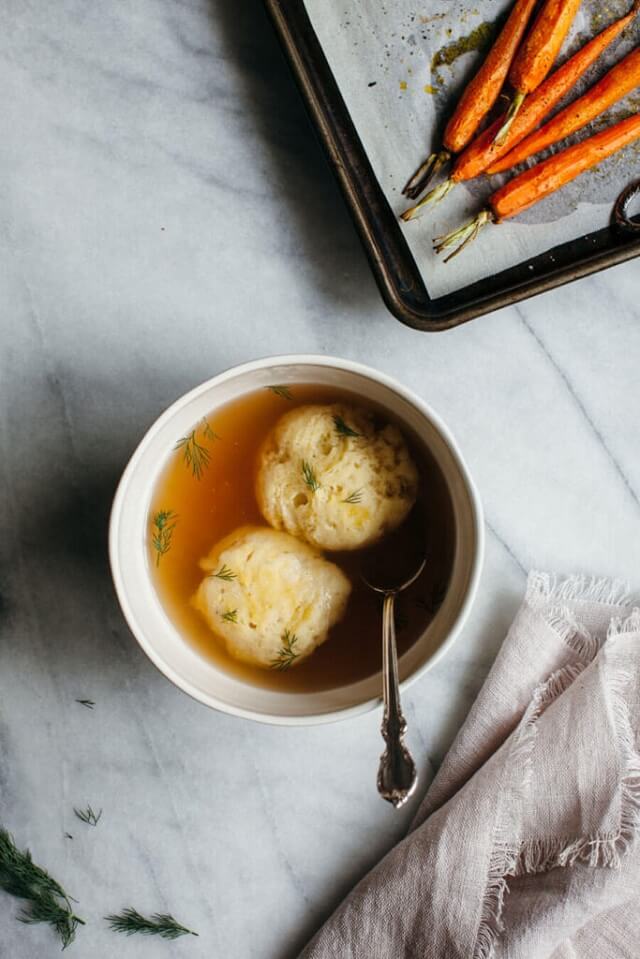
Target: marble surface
<point x="165" y="212"/>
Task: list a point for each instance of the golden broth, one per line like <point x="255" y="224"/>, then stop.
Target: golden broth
<point x="209" y="490"/>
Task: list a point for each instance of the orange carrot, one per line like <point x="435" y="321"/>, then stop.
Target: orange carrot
<point x="483" y="91"/>
<point x="478" y="98"/>
<point x="538" y="53"/>
<point x="615" y="85"/>
<point x="545" y="178"/>
<point x="484" y="151"/>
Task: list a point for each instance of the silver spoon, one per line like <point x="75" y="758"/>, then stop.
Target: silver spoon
<point x="397" y="775"/>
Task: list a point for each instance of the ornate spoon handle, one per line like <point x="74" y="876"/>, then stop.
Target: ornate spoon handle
<point x="397" y="776"/>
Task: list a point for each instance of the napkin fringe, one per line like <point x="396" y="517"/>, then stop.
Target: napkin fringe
<point x="604" y="850"/>
<point x="556" y="590"/>
<point x="575" y="635"/>
<point x="552" y="595"/>
<point x="622" y="626"/>
<point x="620" y="680"/>
<point x="505" y="857"/>
<point x="510" y="859"/>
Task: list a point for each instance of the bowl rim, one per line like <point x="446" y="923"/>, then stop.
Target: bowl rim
<point x="231" y="372"/>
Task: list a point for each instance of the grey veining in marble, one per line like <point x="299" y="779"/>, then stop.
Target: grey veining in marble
<point x="165" y="212"/>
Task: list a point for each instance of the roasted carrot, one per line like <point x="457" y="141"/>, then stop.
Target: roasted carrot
<point x="620" y="80"/>
<point x="478" y="98"/>
<point x="545" y="178"/>
<point x="484" y="151"/>
<point x="538" y="53"/>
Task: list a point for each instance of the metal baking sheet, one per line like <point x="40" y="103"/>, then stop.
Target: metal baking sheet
<point x="372" y="193"/>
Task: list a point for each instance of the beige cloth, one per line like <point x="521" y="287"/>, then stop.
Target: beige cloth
<point x="524" y="845"/>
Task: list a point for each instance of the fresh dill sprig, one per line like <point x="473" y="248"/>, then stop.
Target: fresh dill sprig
<point x="88" y="815"/>
<point x="231" y="616"/>
<point x="206" y="429"/>
<point x="196" y="456"/>
<point x="309" y="477"/>
<point x="130" y="922"/>
<point x="355" y="497"/>
<point x="283" y="391"/>
<point x="224" y="573"/>
<point x="89" y="703"/>
<point x="46" y="900"/>
<point x="164" y="523"/>
<point x="343" y="429"/>
<point x="287" y="654"/>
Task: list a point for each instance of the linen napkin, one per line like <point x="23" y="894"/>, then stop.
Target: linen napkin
<point x="524" y="846"/>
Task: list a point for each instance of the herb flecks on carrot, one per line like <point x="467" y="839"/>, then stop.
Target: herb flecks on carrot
<point x="616" y="84"/>
<point x="484" y="151"/>
<point x="545" y="178"/>
<point x="479" y="95"/>
<point x="483" y="154"/>
<point x="537" y="54"/>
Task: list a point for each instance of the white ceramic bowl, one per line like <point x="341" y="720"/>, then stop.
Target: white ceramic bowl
<point x="160" y="639"/>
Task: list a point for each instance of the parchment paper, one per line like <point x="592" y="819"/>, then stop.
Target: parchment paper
<point x="380" y="52"/>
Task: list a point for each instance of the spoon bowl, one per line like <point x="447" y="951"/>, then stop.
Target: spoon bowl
<point x="395" y="588"/>
<point x="396" y="561"/>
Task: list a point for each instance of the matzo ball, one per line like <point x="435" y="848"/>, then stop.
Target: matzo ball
<point x="271" y="598"/>
<point x="327" y="475"/>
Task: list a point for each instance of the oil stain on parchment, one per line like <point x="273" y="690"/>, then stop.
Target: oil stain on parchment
<point x="479" y="39"/>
